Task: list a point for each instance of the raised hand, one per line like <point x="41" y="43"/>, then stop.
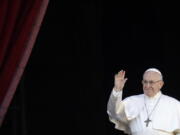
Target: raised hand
<point x="119" y="80"/>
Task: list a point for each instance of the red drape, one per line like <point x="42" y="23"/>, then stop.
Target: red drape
<point x="20" y="22"/>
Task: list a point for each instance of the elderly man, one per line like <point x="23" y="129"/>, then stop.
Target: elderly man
<point x="151" y="113"/>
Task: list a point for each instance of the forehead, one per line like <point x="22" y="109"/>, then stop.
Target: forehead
<point x="150" y="75"/>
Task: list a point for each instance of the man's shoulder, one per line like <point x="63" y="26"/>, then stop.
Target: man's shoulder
<point x="170" y="99"/>
<point x="134" y="100"/>
<point x="135" y="97"/>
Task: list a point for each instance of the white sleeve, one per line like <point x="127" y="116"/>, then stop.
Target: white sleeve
<point x="115" y="110"/>
<point x="117" y="93"/>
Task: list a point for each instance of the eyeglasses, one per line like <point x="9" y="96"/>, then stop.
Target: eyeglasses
<point x="149" y="82"/>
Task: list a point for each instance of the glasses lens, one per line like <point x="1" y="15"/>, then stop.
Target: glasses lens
<point x="150" y="82"/>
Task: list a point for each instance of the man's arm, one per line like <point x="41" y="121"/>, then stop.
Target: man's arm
<point x="116" y="94"/>
<point x="115" y="110"/>
<point x="115" y="107"/>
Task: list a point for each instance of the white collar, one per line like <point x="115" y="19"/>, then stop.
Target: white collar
<point x="154" y="97"/>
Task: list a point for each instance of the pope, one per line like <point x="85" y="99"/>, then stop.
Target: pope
<point x="150" y="113"/>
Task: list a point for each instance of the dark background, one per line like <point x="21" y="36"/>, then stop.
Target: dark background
<point x="81" y="45"/>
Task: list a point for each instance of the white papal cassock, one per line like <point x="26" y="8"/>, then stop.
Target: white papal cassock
<point x="129" y="115"/>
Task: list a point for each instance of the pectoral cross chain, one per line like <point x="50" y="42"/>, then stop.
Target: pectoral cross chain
<point x="147" y="122"/>
<point x="149" y="114"/>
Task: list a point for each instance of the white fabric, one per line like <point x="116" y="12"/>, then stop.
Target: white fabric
<point x="165" y="117"/>
<point x="149" y="131"/>
<point x="117" y="93"/>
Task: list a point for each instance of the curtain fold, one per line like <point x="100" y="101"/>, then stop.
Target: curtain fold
<point x="18" y="30"/>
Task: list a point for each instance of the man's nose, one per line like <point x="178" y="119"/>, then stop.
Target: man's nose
<point x="147" y="85"/>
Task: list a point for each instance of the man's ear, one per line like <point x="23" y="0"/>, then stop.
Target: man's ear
<point x="161" y="84"/>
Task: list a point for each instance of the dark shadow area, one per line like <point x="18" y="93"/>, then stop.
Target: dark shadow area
<point x="81" y="45"/>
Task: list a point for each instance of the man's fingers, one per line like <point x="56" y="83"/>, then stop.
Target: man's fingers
<point x="125" y="80"/>
<point x="121" y="74"/>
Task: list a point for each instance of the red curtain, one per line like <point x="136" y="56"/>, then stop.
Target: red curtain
<point x="20" y="22"/>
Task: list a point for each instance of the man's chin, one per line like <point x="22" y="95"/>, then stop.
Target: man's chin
<point x="148" y="93"/>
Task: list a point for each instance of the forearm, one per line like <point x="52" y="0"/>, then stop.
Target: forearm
<point x="114" y="98"/>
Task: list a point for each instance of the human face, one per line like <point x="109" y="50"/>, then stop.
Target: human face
<point x="152" y="83"/>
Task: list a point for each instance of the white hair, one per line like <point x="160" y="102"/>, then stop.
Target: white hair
<point x="155" y="70"/>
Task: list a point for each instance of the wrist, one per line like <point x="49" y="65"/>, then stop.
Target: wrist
<point x="117" y="93"/>
<point x="117" y="89"/>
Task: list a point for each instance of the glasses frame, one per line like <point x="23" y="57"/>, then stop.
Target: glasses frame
<point x="145" y="82"/>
